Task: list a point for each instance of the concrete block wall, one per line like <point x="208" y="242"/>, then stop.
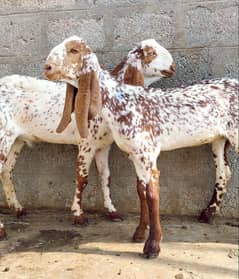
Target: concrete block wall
<point x="203" y="38"/>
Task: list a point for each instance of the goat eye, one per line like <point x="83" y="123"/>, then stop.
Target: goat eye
<point x="74" y="51"/>
<point x="153" y="53"/>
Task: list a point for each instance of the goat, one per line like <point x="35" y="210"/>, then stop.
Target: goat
<point x="27" y="117"/>
<point x="144" y="122"/>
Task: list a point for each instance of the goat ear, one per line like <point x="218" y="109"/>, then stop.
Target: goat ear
<point x="117" y="69"/>
<point x="68" y="109"/>
<point x="134" y="75"/>
<point x="95" y="96"/>
<point x="88" y="101"/>
<point x="82" y="104"/>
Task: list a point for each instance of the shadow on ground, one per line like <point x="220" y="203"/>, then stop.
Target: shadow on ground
<point x="190" y="248"/>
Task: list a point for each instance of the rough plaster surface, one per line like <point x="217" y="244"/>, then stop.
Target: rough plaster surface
<point x="203" y="38"/>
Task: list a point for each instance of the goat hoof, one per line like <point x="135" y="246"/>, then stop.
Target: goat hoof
<point x="81" y="220"/>
<point x="114" y="216"/>
<point x="139" y="235"/>
<point x="21" y="212"/>
<point x="151" y="249"/>
<point x="207" y="216"/>
<point x="3" y="233"/>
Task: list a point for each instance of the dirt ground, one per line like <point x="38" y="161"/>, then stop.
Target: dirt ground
<point x="45" y="244"/>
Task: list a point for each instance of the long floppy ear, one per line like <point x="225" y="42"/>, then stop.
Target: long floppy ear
<point x="95" y="96"/>
<point x="88" y="101"/>
<point x="82" y="104"/>
<point x="119" y="67"/>
<point x="68" y="108"/>
<point x="134" y="75"/>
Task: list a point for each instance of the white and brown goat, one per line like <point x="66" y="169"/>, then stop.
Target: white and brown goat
<point x="144" y="122"/>
<point x="31" y="109"/>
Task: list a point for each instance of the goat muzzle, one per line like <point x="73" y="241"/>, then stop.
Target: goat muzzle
<point x="169" y="73"/>
<point x="49" y="71"/>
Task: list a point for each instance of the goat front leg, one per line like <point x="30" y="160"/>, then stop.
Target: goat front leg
<point x="223" y="174"/>
<point x="140" y="233"/>
<point x="84" y="159"/>
<point x="102" y="164"/>
<point x="3" y="233"/>
<point x="7" y="181"/>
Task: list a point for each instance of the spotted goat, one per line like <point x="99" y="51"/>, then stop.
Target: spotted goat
<point x="144" y="122"/>
<point x="31" y="109"/>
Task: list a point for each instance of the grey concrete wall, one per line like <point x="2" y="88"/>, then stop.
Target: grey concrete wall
<point x="203" y="38"/>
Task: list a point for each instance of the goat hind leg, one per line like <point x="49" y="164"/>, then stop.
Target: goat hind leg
<point x="148" y="173"/>
<point x="3" y="232"/>
<point x="223" y="174"/>
<point x="102" y="164"/>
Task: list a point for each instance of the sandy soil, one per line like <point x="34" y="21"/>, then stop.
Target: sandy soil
<point x="45" y="244"/>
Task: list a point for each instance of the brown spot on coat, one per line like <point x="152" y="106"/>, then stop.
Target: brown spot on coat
<point x="225" y="153"/>
<point x="127" y="119"/>
<point x="214" y="87"/>
<point x="81" y="184"/>
<point x="3" y="158"/>
<point x="202" y="103"/>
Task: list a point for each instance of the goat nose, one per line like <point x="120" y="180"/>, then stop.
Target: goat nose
<point x="48" y="67"/>
<point x="173" y="67"/>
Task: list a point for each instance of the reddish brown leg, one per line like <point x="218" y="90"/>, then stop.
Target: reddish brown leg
<point x="84" y="159"/>
<point x="152" y="245"/>
<point x="140" y="232"/>
<point x="79" y="216"/>
<point x="3" y="233"/>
